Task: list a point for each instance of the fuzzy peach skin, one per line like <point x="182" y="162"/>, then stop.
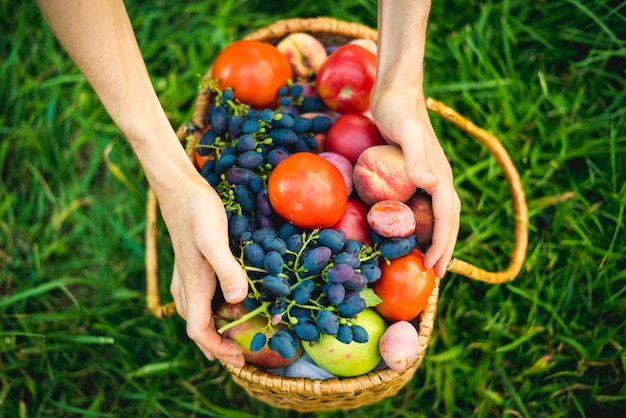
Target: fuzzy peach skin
<point x="379" y="175"/>
<point x="304" y="52"/>
<point x="367" y="44"/>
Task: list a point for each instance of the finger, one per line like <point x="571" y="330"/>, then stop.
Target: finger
<point x="416" y="163"/>
<point x="232" y="278"/>
<point x="201" y="329"/>
<point x="445" y="219"/>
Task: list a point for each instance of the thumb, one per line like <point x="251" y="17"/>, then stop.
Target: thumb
<point x="232" y="278"/>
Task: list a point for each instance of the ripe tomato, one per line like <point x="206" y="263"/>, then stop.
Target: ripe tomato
<point x="255" y="70"/>
<point x="404" y="286"/>
<point x="351" y="134"/>
<point x="354" y="221"/>
<point x="345" y="79"/>
<point x="307" y="190"/>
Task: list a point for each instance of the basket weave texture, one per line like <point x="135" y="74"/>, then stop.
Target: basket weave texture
<point x="303" y="394"/>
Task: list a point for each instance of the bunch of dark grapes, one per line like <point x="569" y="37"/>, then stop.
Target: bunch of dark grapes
<point x="313" y="282"/>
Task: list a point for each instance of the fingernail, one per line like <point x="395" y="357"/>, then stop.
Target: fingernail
<point x="234" y="294"/>
<point x="426" y="177"/>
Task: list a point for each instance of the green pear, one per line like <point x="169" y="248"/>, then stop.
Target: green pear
<point x="354" y="359"/>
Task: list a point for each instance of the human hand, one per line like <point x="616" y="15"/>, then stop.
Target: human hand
<point x="197" y="224"/>
<point x="403" y="119"/>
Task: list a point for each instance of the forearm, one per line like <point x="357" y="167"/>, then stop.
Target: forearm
<point x="99" y="37"/>
<point x="401" y="42"/>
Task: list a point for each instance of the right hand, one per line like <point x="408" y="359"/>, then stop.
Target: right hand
<point x="197" y="224"/>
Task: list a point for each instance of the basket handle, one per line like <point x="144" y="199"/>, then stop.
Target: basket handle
<point x="516" y="190"/>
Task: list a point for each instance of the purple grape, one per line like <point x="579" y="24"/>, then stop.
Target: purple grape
<point x="350" y="307"/>
<point x="261" y="234"/>
<point x="311" y="104"/>
<point x="284" y="342"/>
<point x="250" y="159"/>
<point x="219" y="119"/>
<point x="207" y="168"/>
<point x="245" y="143"/>
<point x="296" y="90"/>
<point x="273" y="263"/>
<point x="206" y="141"/>
<point x="251" y="304"/>
<point x="352" y="246"/>
<point x="321" y="124"/>
<point x="238" y="175"/>
<point x="287" y="230"/>
<point x="245" y="197"/>
<point x="237" y="226"/>
<point x="275" y="244"/>
<point x="335" y="293"/>
<point x="283" y="137"/>
<point x="255" y="254"/>
<point x="275" y="156"/>
<point x="371" y="271"/>
<point x="263" y="203"/>
<point x="258" y="342"/>
<point x="294" y="243"/>
<point x="251" y="126"/>
<point x="339" y="273"/>
<point x="346" y="258"/>
<point x="267" y="115"/>
<point x="344" y="333"/>
<point x="301" y="125"/>
<point x="276" y="285"/>
<point x="359" y="334"/>
<point x="332" y="239"/>
<point x="256" y="184"/>
<point x="316" y="259"/>
<point x="235" y="126"/>
<point x="327" y="322"/>
<point x="311" y="142"/>
<point x="264" y="221"/>
<point x="303" y="291"/>
<point x="306" y="330"/>
<point x="357" y="282"/>
<point x="396" y="247"/>
<point x="283" y="120"/>
<point x="227" y="160"/>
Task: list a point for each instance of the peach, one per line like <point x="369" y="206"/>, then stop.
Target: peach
<point x="422" y="206"/>
<point x="304" y="52"/>
<point x="379" y="175"/>
<point x="343" y="165"/>
<point x="367" y="44"/>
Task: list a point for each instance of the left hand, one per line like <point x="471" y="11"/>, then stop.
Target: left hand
<point x="403" y="119"/>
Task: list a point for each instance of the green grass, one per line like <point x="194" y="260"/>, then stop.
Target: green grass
<point x="546" y="77"/>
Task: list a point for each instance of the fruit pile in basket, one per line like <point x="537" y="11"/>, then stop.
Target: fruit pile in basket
<point x="321" y="214"/>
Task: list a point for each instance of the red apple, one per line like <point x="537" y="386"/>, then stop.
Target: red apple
<point x="244" y="332"/>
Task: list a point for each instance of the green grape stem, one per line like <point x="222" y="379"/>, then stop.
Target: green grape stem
<point x="260" y="309"/>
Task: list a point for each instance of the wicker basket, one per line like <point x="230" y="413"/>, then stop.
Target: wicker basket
<point x="302" y="394"/>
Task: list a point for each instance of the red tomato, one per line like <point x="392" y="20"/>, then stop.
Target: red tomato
<point x="404" y="286"/>
<point x="255" y="70"/>
<point x="345" y="79"/>
<point x="354" y="221"/>
<point x="351" y="134"/>
<point x="307" y="190"/>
